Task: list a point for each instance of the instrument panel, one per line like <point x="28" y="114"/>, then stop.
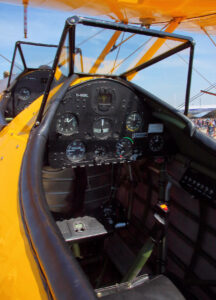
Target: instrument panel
<point x="27" y="88"/>
<point x="103" y="121"/>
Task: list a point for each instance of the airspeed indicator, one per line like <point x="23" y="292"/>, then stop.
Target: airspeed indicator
<point x="67" y="124"/>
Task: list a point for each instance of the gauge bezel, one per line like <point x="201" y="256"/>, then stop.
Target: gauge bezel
<point x="136" y="128"/>
<point x="128" y="149"/>
<point x="103" y="136"/>
<point x="108" y="90"/>
<point x="78" y="159"/>
<point x="21" y="97"/>
<point x="72" y="131"/>
<point x="158" y="149"/>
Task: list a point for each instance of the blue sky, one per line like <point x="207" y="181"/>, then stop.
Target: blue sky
<point x="45" y="26"/>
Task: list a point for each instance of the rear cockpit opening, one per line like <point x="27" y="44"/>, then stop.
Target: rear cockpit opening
<point x="106" y="216"/>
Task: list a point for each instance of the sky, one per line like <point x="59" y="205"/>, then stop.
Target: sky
<point x="45" y="26"/>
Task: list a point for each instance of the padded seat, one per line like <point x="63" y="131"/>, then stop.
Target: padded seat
<point x="158" y="288"/>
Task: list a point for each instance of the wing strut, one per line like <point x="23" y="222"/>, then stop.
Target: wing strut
<point x="105" y="51"/>
<point x="25" y="5"/>
<point x="208" y="35"/>
<point x="156" y="46"/>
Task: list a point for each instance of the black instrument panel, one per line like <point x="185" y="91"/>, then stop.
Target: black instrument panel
<point x="103" y="121"/>
<point x="28" y="87"/>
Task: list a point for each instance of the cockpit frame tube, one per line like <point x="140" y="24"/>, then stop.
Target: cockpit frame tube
<point x="72" y="33"/>
<point x="11" y="68"/>
<point x="127" y="28"/>
<point x="52" y="74"/>
<point x="156" y="59"/>
<point x="70" y="26"/>
<point x="189" y="77"/>
<point x="18" y="46"/>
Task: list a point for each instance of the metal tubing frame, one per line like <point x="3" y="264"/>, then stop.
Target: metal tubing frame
<point x="127" y="28"/>
<point x="12" y="63"/>
<point x="18" y="46"/>
<point x="70" y="25"/>
<point x="54" y="67"/>
<point x="156" y="59"/>
<point x="190" y="68"/>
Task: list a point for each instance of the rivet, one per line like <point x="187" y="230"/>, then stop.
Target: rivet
<point x="2" y="157"/>
<point x="17" y="146"/>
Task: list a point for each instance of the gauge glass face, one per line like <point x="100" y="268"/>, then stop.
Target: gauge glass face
<point x="123" y="148"/>
<point x="104" y="100"/>
<point x="156" y="143"/>
<point x="24" y="94"/>
<point x="102" y="128"/>
<point x="67" y="124"/>
<point x="133" y="122"/>
<point x="75" y="151"/>
<point x="100" y="151"/>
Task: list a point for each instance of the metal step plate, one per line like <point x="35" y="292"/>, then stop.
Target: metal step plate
<point x="80" y="228"/>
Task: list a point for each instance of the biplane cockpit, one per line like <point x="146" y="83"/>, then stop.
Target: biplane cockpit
<point x="112" y="174"/>
<point x="29" y="73"/>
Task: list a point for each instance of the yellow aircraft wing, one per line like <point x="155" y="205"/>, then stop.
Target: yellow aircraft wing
<point x="195" y="13"/>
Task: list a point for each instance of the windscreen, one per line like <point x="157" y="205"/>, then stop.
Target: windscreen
<point x="35" y="56"/>
<point x="110" y="52"/>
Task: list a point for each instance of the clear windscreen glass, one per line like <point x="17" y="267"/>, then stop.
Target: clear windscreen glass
<point x="63" y="62"/>
<point x="18" y="66"/>
<point x="110" y="52"/>
<point x="167" y="78"/>
<point x="37" y="55"/>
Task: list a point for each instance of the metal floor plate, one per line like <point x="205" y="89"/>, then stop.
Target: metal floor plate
<point x="80" y="228"/>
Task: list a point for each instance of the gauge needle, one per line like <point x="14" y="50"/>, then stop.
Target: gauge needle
<point x="68" y="120"/>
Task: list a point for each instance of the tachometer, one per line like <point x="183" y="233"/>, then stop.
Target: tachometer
<point x="75" y="151"/>
<point x="67" y="124"/>
<point x="124" y="148"/>
<point x="133" y="122"/>
<point x="102" y="128"/>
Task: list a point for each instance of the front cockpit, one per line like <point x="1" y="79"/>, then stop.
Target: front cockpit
<point x="117" y="178"/>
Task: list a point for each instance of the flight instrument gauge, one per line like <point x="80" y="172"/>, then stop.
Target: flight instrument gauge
<point x="100" y="151"/>
<point x="24" y="94"/>
<point x="102" y="128"/>
<point x="67" y="124"/>
<point x="156" y="143"/>
<point x="133" y="122"/>
<point x="124" y="148"/>
<point x="75" y="151"/>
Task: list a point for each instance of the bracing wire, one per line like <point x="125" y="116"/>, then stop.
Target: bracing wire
<point x="117" y="54"/>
